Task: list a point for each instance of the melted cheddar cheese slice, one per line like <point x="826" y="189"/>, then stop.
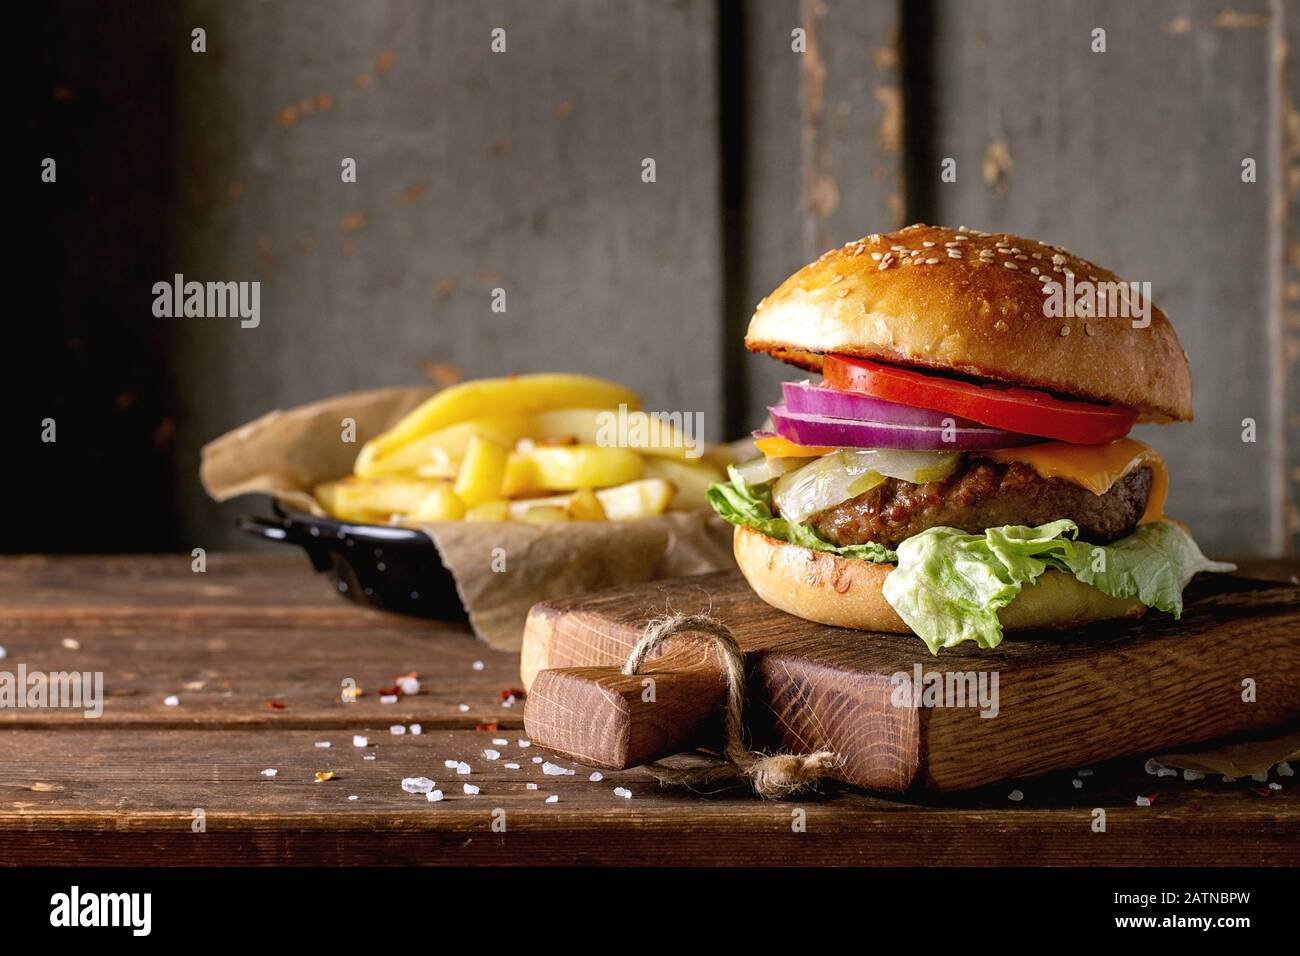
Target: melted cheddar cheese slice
<point x="1095" y="467"/>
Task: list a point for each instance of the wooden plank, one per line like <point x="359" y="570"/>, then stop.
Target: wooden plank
<point x="824" y="149"/>
<point x="1285" y="184"/>
<point x="1061" y="699"/>
<point x="251" y="630"/>
<point x="116" y="797"/>
<point x="1132" y="158"/>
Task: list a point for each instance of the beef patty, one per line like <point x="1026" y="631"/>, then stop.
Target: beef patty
<point x="985" y="494"/>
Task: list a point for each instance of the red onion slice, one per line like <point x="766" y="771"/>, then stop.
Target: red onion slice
<point x="850" y="433"/>
<point x="804" y="398"/>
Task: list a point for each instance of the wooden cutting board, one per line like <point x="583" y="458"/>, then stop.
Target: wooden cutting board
<point x="1064" y="699"/>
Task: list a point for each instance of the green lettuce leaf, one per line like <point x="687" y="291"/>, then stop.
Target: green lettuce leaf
<point x="949" y="585"/>
<point x="751" y="506"/>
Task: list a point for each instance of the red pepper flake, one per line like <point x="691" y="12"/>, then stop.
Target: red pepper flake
<point x="413" y="675"/>
<point x="276" y="704"/>
<point x="1153" y="797"/>
<point x="393" y="691"/>
<point x="486" y="727"/>
<point x="514" y="692"/>
<point x="1261" y="791"/>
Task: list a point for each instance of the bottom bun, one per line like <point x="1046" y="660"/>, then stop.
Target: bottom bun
<point x="823" y="587"/>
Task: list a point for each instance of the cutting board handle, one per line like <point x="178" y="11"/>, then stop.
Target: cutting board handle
<point x="605" y="718"/>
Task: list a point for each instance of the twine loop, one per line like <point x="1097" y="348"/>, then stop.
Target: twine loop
<point x="771" y="775"/>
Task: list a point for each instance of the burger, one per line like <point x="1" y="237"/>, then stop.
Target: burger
<point x="957" y="463"/>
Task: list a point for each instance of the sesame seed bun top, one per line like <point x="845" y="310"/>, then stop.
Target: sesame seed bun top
<point x="974" y="303"/>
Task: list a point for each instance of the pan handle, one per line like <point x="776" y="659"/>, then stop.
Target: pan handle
<point x="272" y="529"/>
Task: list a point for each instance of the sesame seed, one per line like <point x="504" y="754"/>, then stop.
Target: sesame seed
<point x="883" y="266"/>
<point x="954" y="254"/>
<point x="842" y="293"/>
<point x="876" y="256"/>
<point x="1022" y="258"/>
<point x="931" y="262"/>
<point x="961" y="238"/>
<point x="1033" y="270"/>
<point x="874" y="237"/>
<point x="1000" y="325"/>
<point x="1065" y="330"/>
<point x="838" y="278"/>
<point x="1009" y="264"/>
<point x="1088" y="329"/>
<point x="1058" y="259"/>
<point x="928" y="244"/>
<point x="962" y="229"/>
<point x="1044" y="278"/>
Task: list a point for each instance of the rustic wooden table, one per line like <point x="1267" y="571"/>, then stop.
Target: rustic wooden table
<point x="257" y="649"/>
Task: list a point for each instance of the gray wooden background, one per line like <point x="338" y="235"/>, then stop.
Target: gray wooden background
<point x="522" y="171"/>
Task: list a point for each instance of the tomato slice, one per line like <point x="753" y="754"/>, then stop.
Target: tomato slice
<point x="1025" y="410"/>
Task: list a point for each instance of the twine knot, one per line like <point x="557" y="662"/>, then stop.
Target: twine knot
<point x="771" y="775"/>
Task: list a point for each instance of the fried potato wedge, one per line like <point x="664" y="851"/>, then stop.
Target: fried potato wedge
<point x="438" y="454"/>
<point x="691" y="479"/>
<point x="482" y="473"/>
<point x="649" y="434"/>
<point x="481" y="398"/>
<point x="643" y="498"/>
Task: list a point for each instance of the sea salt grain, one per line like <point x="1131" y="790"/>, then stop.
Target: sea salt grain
<point x="417" y="784"/>
<point x="530" y="786"/>
<point x="3" y="653"/>
<point x="1078" y="784"/>
<point x="417" y="729"/>
<point x="435" y="796"/>
<point x="1085" y="772"/>
<point x="471" y="790"/>
<point x="322" y="745"/>
<point x="1284" y="769"/>
<point x="1193" y="775"/>
<point x="463" y="708"/>
<point x="1144" y="801"/>
<point x="623" y="792"/>
<point x="368" y="757"/>
<point x="553" y="798"/>
<point x="1261" y="777"/>
<point x="1015" y="796"/>
<point x="492" y="754"/>
<point x="172" y="701"/>
<point x="511" y="766"/>
<point x="477" y="665"/>
<point x="269" y="772"/>
<point x="397" y="730"/>
<point x="451" y="764"/>
<point x="462" y="768"/>
<point x="352" y="796"/>
<point x="359" y="741"/>
<point x="388" y="699"/>
<point x="1275" y="786"/>
<point x="596" y="777"/>
<point x="525" y="743"/>
<point x="500" y="742"/>
<point x="555" y="770"/>
<point x="71" y="643"/>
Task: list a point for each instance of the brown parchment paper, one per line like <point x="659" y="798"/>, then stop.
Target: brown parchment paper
<point x="285" y="453"/>
<point x="1243" y="759"/>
